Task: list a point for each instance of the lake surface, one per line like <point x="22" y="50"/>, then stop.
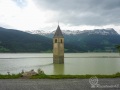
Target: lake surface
<point x="75" y="63"/>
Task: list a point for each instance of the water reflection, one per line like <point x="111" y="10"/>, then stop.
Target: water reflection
<point x="58" y="69"/>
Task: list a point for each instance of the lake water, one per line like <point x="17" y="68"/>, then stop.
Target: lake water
<point x="75" y="63"/>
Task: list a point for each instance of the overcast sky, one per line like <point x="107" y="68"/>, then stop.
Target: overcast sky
<point x="71" y="14"/>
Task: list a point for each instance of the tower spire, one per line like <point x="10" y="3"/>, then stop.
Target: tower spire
<point x="58" y="22"/>
<point x="58" y="32"/>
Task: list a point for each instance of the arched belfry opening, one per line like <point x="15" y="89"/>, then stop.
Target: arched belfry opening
<point x="58" y="47"/>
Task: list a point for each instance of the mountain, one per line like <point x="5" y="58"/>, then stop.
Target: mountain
<point x="98" y="40"/>
<point x="19" y="41"/>
<point x="75" y="32"/>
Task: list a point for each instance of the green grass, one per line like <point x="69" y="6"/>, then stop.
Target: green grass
<point x="117" y="75"/>
<point x="43" y="76"/>
<point x="13" y="76"/>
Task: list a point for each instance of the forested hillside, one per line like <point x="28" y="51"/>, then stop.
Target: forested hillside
<point x="18" y="41"/>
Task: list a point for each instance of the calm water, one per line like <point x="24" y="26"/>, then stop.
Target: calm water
<point x="75" y="63"/>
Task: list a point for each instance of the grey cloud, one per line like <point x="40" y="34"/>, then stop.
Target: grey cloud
<point x="84" y="12"/>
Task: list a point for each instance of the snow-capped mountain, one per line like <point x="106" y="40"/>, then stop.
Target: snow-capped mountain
<point x="40" y="32"/>
<point x="101" y="31"/>
<point x="98" y="40"/>
<point x="109" y="31"/>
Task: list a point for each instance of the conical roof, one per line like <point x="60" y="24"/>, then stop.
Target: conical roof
<point x="58" y="32"/>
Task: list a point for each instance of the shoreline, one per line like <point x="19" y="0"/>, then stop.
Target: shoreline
<point x="65" y="57"/>
<point x="44" y="76"/>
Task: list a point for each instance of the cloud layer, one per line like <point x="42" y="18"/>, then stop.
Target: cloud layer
<point x="23" y="15"/>
<point x="72" y="14"/>
<point x="85" y="12"/>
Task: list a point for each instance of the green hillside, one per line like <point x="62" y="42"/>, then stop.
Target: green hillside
<point x="91" y="41"/>
<point x="18" y="41"/>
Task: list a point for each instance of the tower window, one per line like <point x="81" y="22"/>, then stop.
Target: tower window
<point x="61" y="40"/>
<point x="55" y="40"/>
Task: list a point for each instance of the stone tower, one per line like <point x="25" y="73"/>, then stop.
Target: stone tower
<point x="58" y="47"/>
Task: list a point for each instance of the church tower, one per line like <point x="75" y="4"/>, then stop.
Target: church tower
<point x="58" y="47"/>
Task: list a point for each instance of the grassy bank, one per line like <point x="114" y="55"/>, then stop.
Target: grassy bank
<point x="117" y="75"/>
<point x="43" y="76"/>
<point x="13" y="76"/>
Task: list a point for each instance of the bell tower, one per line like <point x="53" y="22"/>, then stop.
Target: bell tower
<point x="58" y="47"/>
